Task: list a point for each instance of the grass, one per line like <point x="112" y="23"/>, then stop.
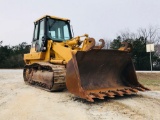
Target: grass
<point x="150" y="80"/>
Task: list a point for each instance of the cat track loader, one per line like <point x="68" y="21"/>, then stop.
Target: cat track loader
<point x="58" y="61"/>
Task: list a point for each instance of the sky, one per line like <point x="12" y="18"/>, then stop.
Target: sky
<point x="98" y="18"/>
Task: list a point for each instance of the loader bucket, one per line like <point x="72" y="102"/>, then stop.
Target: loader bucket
<point x="100" y="73"/>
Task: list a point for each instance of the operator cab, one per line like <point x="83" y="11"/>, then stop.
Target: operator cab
<point x="50" y="28"/>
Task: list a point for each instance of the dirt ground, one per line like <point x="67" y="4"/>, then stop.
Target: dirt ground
<point x="22" y="102"/>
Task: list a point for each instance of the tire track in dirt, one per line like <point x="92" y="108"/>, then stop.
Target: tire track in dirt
<point x="113" y="111"/>
<point x="19" y="101"/>
<point x="145" y="106"/>
<point x="136" y="107"/>
<point x="110" y="109"/>
<point x="41" y="105"/>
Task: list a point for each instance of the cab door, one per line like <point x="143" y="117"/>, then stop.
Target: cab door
<point x="38" y="37"/>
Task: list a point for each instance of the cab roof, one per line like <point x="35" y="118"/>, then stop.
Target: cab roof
<point x="54" y="17"/>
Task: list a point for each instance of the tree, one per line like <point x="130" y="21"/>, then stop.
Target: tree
<point x="139" y="54"/>
<point x="12" y="57"/>
<point x="139" y="40"/>
<point x="127" y="35"/>
<point x="116" y="43"/>
<point x="1" y="43"/>
<point x="107" y="43"/>
<point x="150" y="34"/>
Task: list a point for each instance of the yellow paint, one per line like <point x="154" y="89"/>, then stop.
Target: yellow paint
<point x="34" y="56"/>
<point x="64" y="52"/>
<point x="53" y="49"/>
<point x="32" y="50"/>
<point x="48" y="52"/>
<point x="58" y="61"/>
<point x="33" y="61"/>
<point x="56" y="52"/>
<point x="54" y="17"/>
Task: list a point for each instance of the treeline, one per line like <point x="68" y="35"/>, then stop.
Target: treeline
<point x="140" y="57"/>
<point x="12" y="56"/>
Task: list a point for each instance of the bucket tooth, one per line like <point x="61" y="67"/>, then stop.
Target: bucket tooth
<point x="133" y="90"/>
<point x="127" y="91"/>
<point x="109" y="94"/>
<point x="111" y="73"/>
<point x="119" y="93"/>
<point x="98" y="95"/>
<point x="140" y="89"/>
<point x="90" y="98"/>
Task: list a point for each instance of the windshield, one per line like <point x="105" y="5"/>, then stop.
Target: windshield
<point x="58" y="30"/>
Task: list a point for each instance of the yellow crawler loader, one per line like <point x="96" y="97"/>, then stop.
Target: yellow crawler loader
<point x="58" y="61"/>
